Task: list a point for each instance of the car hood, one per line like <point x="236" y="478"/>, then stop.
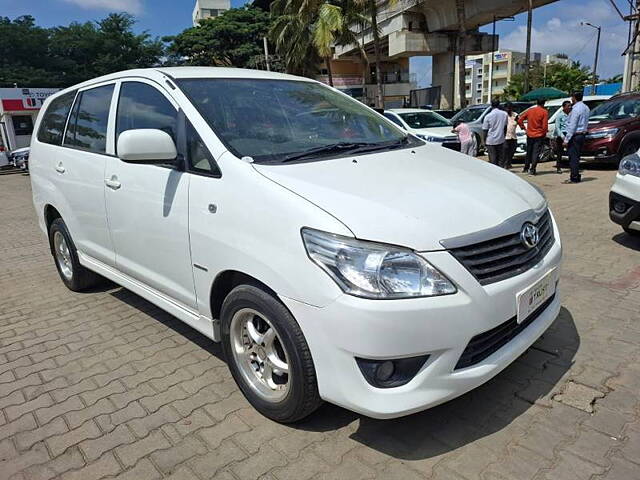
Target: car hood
<point x="410" y="197"/>
<point x="597" y="124"/>
<point x="435" y="131"/>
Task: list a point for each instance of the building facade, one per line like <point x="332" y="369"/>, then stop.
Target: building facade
<point x="479" y="76"/>
<point x="19" y="108"/>
<point x="209" y="9"/>
<point x="353" y="78"/>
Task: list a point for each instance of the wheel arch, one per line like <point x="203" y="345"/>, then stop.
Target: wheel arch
<point x="50" y="214"/>
<point x="225" y="282"/>
<point x="630" y="137"/>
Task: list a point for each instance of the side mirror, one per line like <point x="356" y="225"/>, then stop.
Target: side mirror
<point x="146" y="145"/>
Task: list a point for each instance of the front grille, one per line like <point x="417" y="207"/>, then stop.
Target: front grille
<point x="504" y="257"/>
<point x="485" y="344"/>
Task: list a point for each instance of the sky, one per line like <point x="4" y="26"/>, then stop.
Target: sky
<point x="556" y="27"/>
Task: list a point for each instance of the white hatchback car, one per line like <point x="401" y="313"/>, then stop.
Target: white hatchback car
<point x="425" y="124"/>
<point x="333" y="256"/>
<point x="624" y="198"/>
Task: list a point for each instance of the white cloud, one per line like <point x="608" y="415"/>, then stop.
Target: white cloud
<point x="130" y="6"/>
<point x="565" y="34"/>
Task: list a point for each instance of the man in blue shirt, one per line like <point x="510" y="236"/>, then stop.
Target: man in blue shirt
<point x="560" y="132"/>
<point x="494" y="127"/>
<point x="577" y="125"/>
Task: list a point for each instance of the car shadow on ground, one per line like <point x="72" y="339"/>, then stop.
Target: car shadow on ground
<point x="420" y="436"/>
<point x="627" y="240"/>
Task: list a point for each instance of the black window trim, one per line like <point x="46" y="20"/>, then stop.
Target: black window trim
<point x="78" y="92"/>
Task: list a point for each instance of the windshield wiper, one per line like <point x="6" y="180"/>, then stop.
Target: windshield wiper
<point x="352" y="147"/>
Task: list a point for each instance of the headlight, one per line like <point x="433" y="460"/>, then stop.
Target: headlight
<point x="608" y="132"/>
<point x="373" y="270"/>
<point x="630" y="166"/>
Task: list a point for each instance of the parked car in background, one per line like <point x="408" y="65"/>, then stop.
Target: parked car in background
<point x="333" y="255"/>
<point x="473" y="116"/>
<point x="624" y="198"/>
<point x="614" y="129"/>
<point x="19" y="158"/>
<point x="554" y="109"/>
<point x="425" y="124"/>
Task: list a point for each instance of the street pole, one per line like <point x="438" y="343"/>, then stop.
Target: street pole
<point x="266" y="53"/>
<point x="493" y="54"/>
<point x="595" y="62"/>
<point x="527" y="60"/>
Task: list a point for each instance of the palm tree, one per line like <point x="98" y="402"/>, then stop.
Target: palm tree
<point x="305" y="31"/>
<point x="370" y="8"/>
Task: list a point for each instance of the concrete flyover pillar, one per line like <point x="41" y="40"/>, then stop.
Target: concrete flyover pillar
<point x="443" y="75"/>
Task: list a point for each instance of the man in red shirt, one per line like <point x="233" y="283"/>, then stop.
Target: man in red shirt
<point x="537" y="119"/>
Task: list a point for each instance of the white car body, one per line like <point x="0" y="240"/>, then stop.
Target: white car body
<point x="624" y="198"/>
<point x="167" y="235"/>
<point x="442" y="135"/>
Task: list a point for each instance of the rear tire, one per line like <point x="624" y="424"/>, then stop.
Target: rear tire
<point x="76" y="277"/>
<point x="268" y="355"/>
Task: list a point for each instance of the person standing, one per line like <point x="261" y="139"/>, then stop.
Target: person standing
<point x="511" y="139"/>
<point x="537" y="119"/>
<point x="467" y="140"/>
<point x="494" y="126"/>
<point x="577" y="125"/>
<point x="560" y="132"/>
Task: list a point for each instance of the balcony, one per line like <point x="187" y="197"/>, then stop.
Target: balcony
<point x="342" y="80"/>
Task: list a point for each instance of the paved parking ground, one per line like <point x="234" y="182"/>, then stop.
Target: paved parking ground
<point x="104" y="384"/>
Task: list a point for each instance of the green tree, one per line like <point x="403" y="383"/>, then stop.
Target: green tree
<point x="563" y="77"/>
<point x="62" y="56"/>
<point x="305" y="32"/>
<point x="232" y="39"/>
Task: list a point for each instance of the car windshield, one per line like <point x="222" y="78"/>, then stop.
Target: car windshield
<point x="424" y="120"/>
<point x="468" y="115"/>
<point x="616" y="109"/>
<point x="272" y="120"/>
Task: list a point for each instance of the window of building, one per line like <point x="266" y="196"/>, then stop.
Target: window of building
<point x="88" y="124"/>
<point x="55" y="118"/>
<point x="22" y="124"/>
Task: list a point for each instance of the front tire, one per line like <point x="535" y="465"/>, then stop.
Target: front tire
<point x="76" y="277"/>
<point x="268" y="355"/>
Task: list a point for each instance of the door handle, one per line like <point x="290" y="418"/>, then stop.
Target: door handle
<point x="112" y="183"/>
<point x="60" y="168"/>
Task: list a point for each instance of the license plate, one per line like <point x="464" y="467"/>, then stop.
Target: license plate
<point x="530" y="299"/>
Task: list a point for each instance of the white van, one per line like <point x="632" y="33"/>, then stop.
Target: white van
<point x="334" y="256"/>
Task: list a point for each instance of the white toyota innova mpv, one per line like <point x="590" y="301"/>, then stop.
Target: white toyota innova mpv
<point x="334" y="256"/>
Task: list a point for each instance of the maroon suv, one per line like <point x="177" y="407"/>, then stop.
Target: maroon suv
<point x="614" y="128"/>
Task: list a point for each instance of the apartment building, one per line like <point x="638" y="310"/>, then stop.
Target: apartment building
<point x="209" y="9"/>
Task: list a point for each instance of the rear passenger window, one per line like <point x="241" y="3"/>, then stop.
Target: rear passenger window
<point x="55" y="118"/>
<point x="88" y="123"/>
<point x="143" y="106"/>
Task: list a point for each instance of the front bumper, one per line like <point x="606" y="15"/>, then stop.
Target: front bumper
<point x="440" y="327"/>
<point x="625" y="191"/>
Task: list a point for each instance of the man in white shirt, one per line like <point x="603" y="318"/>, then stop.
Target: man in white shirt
<point x="577" y="125"/>
<point x="494" y="126"/>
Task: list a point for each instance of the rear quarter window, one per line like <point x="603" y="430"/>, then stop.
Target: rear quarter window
<point x="55" y="118"/>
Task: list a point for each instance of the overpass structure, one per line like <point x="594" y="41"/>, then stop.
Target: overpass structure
<point x="442" y="29"/>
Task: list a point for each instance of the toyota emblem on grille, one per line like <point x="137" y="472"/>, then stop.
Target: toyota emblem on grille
<point x="529" y="235"/>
